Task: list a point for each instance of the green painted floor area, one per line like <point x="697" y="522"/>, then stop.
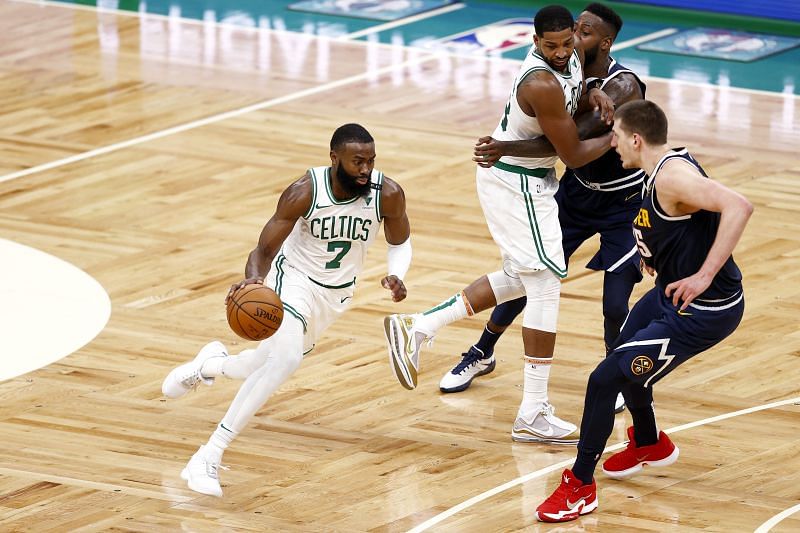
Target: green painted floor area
<point x="777" y="73"/>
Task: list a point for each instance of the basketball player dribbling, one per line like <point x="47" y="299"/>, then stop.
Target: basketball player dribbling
<point x="309" y="252"/>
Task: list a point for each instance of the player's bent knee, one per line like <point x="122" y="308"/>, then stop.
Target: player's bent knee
<point x="282" y="351"/>
<point x="615" y="308"/>
<point x="505" y="287"/>
<point x="607" y="373"/>
<point x="542" y="290"/>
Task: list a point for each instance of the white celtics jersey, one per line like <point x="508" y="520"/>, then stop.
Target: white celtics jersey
<point x="516" y="125"/>
<point x="329" y="243"/>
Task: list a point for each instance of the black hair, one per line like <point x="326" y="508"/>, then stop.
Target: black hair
<point x="552" y="18"/>
<point x="350" y="133"/>
<point x="608" y="15"/>
<point x="645" y="118"/>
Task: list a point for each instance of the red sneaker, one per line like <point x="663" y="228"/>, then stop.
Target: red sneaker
<point x="570" y="500"/>
<point x="631" y="460"/>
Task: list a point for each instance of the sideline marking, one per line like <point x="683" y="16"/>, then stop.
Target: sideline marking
<point x="214" y="118"/>
<point x="643" y="39"/>
<point x="286" y="98"/>
<point x="565" y="464"/>
<point x="403" y="21"/>
<point x="142" y="15"/>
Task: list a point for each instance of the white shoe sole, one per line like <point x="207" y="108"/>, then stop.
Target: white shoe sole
<point x="670" y="459"/>
<point x="531" y="437"/>
<point x="566" y="516"/>
<point x="405" y="373"/>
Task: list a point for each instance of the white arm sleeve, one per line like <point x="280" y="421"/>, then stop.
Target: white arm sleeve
<point x="398" y="258"/>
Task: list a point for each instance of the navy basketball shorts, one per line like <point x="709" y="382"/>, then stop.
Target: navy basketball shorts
<point x="657" y="337"/>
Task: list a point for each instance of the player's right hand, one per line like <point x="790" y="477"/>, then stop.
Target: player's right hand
<point x="236" y="286"/>
<point x="396" y="286"/>
<point x="487" y="152"/>
<point x="602" y="104"/>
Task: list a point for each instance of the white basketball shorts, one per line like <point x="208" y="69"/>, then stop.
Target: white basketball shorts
<point x="522" y="216"/>
<point x="316" y="306"/>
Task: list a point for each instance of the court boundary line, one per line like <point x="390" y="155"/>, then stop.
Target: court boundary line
<point x="403" y="21"/>
<point x="445" y="53"/>
<point x="444" y="515"/>
<point x="423" y="58"/>
<point x="643" y="39"/>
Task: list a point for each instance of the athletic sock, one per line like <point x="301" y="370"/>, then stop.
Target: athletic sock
<point x="536" y="376"/>
<point x="218" y="443"/>
<point x="486" y="343"/>
<point x="447" y="312"/>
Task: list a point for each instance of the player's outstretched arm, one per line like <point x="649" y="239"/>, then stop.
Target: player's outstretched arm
<point x="545" y="97"/>
<point x="397" y="230"/>
<point x="294" y="202"/>
<point x="682" y="190"/>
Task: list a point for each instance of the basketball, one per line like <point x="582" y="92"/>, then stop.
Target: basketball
<point x="255" y="312"/>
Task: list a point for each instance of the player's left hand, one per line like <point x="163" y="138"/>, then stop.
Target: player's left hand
<point x="603" y="104"/>
<point x="487" y="152"/>
<point x="395" y="284"/>
<point x="687" y="289"/>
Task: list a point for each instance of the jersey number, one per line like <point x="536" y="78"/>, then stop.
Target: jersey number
<point x="644" y="251"/>
<point x="343" y="247"/>
<point x="504" y="122"/>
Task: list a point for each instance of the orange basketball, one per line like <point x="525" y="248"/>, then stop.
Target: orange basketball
<point x="255" y="312"/>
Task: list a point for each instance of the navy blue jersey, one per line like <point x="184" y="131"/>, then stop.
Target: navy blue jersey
<point x="606" y="172"/>
<point x="602" y="197"/>
<point x="677" y="246"/>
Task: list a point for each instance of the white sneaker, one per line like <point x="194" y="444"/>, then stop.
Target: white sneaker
<point x="405" y="342"/>
<point x="185" y="377"/>
<point x="543" y="426"/>
<point x="473" y="363"/>
<point x="202" y="475"/>
<point x="619" y="405"/>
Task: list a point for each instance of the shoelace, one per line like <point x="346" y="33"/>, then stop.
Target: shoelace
<point x="469" y="358"/>
<point x="192" y="380"/>
<point x="212" y="469"/>
<point x="547" y="409"/>
<point x="561" y="493"/>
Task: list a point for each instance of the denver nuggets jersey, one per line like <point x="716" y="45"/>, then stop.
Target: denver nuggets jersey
<point x="606" y="173"/>
<point x="516" y="125"/>
<point x="677" y="246"/>
<point x="329" y="243"/>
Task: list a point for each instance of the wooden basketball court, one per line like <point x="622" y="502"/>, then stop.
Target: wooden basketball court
<point x="183" y="134"/>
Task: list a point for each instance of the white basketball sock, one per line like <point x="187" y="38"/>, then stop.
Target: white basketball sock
<point x="534" y="391"/>
<point x="450" y="310"/>
<point x="218" y="443"/>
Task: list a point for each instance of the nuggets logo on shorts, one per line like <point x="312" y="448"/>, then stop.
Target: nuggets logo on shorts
<point x="641" y="365"/>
